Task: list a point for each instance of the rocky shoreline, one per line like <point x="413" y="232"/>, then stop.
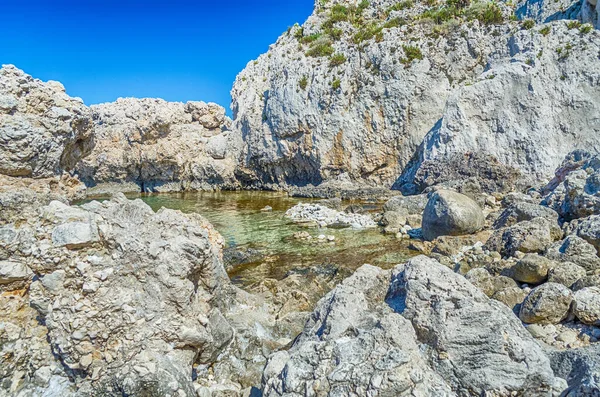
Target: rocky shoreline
<point x="484" y="119"/>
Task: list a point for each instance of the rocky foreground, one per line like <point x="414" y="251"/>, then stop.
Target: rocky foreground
<point x="486" y="113"/>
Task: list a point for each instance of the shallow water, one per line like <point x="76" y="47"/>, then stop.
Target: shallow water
<point x="238" y="217"/>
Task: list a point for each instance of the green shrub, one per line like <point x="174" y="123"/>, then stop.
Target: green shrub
<point x="528" y="24"/>
<point x="439" y="15"/>
<point x="309" y="39"/>
<point x="585" y="28"/>
<point x="485" y="13"/>
<point x="299" y="34"/>
<point x="546" y="30"/>
<point x="303" y="82"/>
<point x="336" y="84"/>
<point x="334" y="33"/>
<point x="411" y="53"/>
<point x="574" y="25"/>
<point x="458" y="3"/>
<point x="320" y="48"/>
<point x="403" y="5"/>
<point x="394" y="23"/>
<point x="337" y="60"/>
<point x="367" y="33"/>
<point x="363" y="5"/>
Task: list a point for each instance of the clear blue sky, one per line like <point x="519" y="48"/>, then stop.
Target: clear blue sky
<point x="177" y="50"/>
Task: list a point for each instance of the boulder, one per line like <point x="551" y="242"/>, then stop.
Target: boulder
<point x="523" y="211"/>
<point x="413" y="205"/>
<point x="451" y="214"/>
<point x="352" y="338"/>
<point x="322" y="216"/>
<point x="566" y="273"/>
<point x="587" y="305"/>
<point x="580" y="367"/>
<point x="576" y="250"/>
<point x="532" y="269"/>
<point x="588" y="229"/>
<point x="533" y="236"/>
<point x="11" y="272"/>
<point x="547" y="304"/>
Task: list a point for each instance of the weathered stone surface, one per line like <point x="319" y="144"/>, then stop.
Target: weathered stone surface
<point x="11" y="272"/>
<point x="532" y="269"/>
<point x="574" y="190"/>
<point x="534" y="236"/>
<point x="577" y="250"/>
<point x="353" y="324"/>
<point x="154" y="145"/>
<point x="566" y="273"/>
<point x="588" y="229"/>
<point x="421" y="119"/>
<point x="547" y="304"/>
<point x="413" y="205"/>
<point x="451" y="214"/>
<point x="580" y="367"/>
<point x="43" y="131"/>
<point x="522" y="211"/>
<point x="323" y="216"/>
<point x="587" y="305"/>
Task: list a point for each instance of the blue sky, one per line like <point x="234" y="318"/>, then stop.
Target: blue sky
<point x="177" y="50"/>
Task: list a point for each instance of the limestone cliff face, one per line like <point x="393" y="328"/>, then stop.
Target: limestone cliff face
<point x="154" y="145"/>
<point x="43" y="131"/>
<point x="373" y="91"/>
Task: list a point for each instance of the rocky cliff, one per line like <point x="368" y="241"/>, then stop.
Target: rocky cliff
<point x="154" y="145"/>
<point x="406" y="94"/>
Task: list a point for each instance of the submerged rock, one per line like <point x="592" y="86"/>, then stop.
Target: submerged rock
<point x="326" y="217"/>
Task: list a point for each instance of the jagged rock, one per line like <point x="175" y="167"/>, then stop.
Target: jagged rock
<point x="547" y="304"/>
<point x="573" y="191"/>
<point x="359" y="322"/>
<point x="43" y="131"/>
<point x="14" y="273"/>
<point x="533" y="236"/>
<point x="577" y="250"/>
<point x="587" y="305"/>
<point x="451" y="214"/>
<point x="588" y="281"/>
<point x="523" y="211"/>
<point x="566" y="273"/>
<point x="154" y="145"/>
<point x="581" y="369"/>
<point x="588" y="229"/>
<point x="532" y="269"/>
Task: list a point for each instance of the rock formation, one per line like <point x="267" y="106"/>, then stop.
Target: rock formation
<point x="398" y="93"/>
<point x="154" y="145"/>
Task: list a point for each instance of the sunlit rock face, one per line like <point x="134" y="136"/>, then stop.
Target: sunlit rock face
<point x="378" y="93"/>
<point x="154" y="145"/>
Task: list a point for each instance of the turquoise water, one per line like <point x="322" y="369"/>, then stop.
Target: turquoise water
<point x="238" y="217"/>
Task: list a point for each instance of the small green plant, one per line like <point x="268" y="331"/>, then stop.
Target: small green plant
<point x="337" y="60"/>
<point x="546" y="30"/>
<point x="336" y="84"/>
<point x="573" y="25"/>
<point x="585" y="28"/>
<point x="486" y="13"/>
<point x="334" y="33"/>
<point x="394" y="23"/>
<point x="299" y="34"/>
<point x="458" y="3"/>
<point x="303" y="82"/>
<point x="367" y="33"/>
<point x="320" y="48"/>
<point x="411" y="53"/>
<point x="403" y="5"/>
<point x="311" y="38"/>
<point x="528" y="24"/>
<point x="363" y="5"/>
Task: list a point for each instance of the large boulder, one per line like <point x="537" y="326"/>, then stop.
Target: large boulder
<point x="534" y="236"/>
<point x="532" y="269"/>
<point x="588" y="229"/>
<point x="581" y="369"/>
<point x="566" y="273"/>
<point x="547" y="304"/>
<point x="523" y="211"/>
<point x="43" y="131"/>
<point x="154" y="145"/>
<point x="362" y="336"/>
<point x="451" y="214"/>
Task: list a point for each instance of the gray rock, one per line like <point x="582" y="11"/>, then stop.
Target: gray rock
<point x="43" y="131"/>
<point x="588" y="281"/>
<point x="588" y="229"/>
<point x="74" y="235"/>
<point x="324" y="216"/>
<point x="523" y="211"/>
<point x="576" y="250"/>
<point x="532" y="269"/>
<point x="566" y="273"/>
<point x="587" y="305"/>
<point x="533" y="236"/>
<point x="413" y="205"/>
<point x="547" y="304"/>
<point x="352" y="339"/>
<point x="451" y="214"/>
<point x="11" y="272"/>
<point x="580" y="367"/>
